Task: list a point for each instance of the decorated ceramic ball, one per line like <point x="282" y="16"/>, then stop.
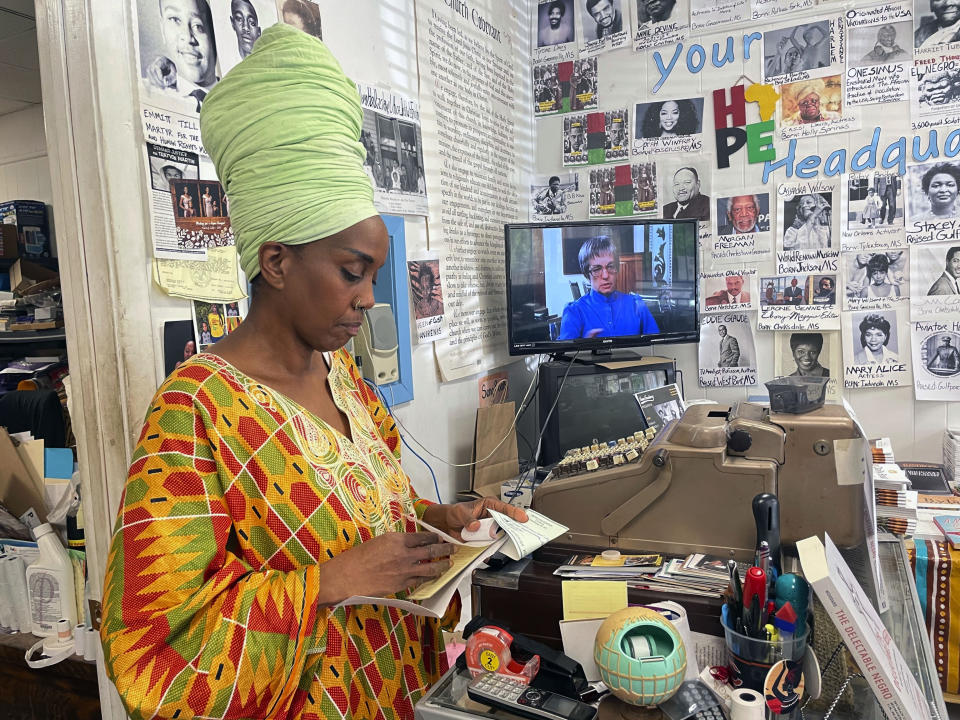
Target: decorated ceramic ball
<point x="640" y="655"/>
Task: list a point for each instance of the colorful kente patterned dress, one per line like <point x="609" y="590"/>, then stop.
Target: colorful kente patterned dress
<point x="235" y="494"/>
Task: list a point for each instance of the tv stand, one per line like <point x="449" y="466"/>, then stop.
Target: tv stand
<point x="622" y="358"/>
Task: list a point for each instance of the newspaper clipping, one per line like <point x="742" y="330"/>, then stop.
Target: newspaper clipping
<point x="727" y="351"/>
<point x="557" y="198"/>
<point x="604" y="26"/>
<point x="427" y="293"/>
<point x="705" y="14"/>
<point x="569" y="86"/>
<point x="936" y="360"/>
<point x="659" y="23"/>
<point x="799" y="302"/>
<point x="668" y="126"/>
<point x="874" y="352"/>
<point x="728" y="290"/>
<point x="933" y="214"/>
<point x="876" y="281"/>
<point x="810" y="354"/>
<point x="741" y="228"/>
<point x="934" y="273"/>
<point x="879" y="53"/>
<point x="872" y="213"/>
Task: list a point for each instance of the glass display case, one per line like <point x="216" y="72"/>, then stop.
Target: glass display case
<point x="448" y="699"/>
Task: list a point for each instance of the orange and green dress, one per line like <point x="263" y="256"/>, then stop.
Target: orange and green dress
<point x="236" y="494"/>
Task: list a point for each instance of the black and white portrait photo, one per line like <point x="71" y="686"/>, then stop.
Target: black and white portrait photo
<point x="933" y="190"/>
<point x="807" y="355"/>
<point x="394" y="159"/>
<point x="878" y="275"/>
<point x="601" y="18"/>
<point x="937" y="269"/>
<point x="656" y="11"/>
<point x="686" y="188"/>
<point x="555" y="197"/>
<point x="555" y="23"/>
<point x="170" y="164"/>
<point x="616" y="128"/>
<point x="669" y="118"/>
<point x="644" y="179"/>
<point x="940" y="354"/>
<point x="874" y="337"/>
<point x="795" y="49"/>
<point x="937" y="23"/>
<point x="303" y="15"/>
<point x="873" y="201"/>
<point x="879" y="44"/>
<point x="807" y="221"/>
<point x="238" y="24"/>
<point x="743" y="214"/>
<point x="178" y="51"/>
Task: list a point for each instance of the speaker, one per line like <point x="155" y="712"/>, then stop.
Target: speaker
<point x="375" y="347"/>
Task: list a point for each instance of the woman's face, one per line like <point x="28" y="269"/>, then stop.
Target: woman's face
<point x="807" y="206"/>
<point x="806" y="356"/>
<point x="669" y="116"/>
<point x="875" y="338"/>
<point x="325" y="280"/>
<point x="863" y="259"/>
<point x="943" y="190"/>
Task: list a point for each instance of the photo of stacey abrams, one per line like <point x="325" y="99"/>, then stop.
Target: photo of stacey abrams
<point x="604" y="311"/>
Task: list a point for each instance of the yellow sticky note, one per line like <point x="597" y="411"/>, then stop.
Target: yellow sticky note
<point x="592" y="598"/>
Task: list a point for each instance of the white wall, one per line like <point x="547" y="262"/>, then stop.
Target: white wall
<point x="626" y="78"/>
<point x="24" y="171"/>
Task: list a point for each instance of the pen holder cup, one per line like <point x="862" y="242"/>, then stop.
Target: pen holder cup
<point x="750" y="659"/>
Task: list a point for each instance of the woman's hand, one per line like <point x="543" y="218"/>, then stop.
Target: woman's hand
<point x="466" y="515"/>
<point x="384" y="565"/>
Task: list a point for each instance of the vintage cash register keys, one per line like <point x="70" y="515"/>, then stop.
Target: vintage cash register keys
<point x="691" y="490"/>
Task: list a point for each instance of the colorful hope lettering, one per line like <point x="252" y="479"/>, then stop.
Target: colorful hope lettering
<point x="732" y="136"/>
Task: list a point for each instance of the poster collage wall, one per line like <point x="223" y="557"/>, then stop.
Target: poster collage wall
<point x="183" y="49"/>
<point x="864" y="244"/>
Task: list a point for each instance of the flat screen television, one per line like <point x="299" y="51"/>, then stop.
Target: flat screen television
<point x="601" y="285"/>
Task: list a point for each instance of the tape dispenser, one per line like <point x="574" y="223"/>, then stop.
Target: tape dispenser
<point x="488" y="650"/>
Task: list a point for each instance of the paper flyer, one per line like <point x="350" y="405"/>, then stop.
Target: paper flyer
<point x="685" y="187"/>
<point x="575" y="140"/>
<point x="237" y="26"/>
<point x="216" y="279"/>
<point x="604" y="26"/>
<point x="874" y="350"/>
<point x="872" y="211"/>
<point x="706" y="14"/>
<point x="933" y="214"/>
<point x="427" y="294"/>
<point x="741" y="228"/>
<point x="763" y="9"/>
<point x="801" y="52"/>
<point x="623" y="190"/>
<point x="879" y="56"/>
<point x="936" y="360"/>
<point x="660" y="22"/>
<point x="201" y="214"/>
<point x="815" y="354"/>
<point x="727" y="352"/>
<point x="933" y="101"/>
<point x="668" y="126"/>
<point x="562" y="87"/>
<point x="814" y="107"/>
<point x="557" y="198"/>
<point x="799" y="302"/>
<point x="554" y="31"/>
<point x="934" y="273"/>
<point x="876" y="281"/>
<point x="807" y="218"/>
<point x="728" y="290"/>
<point x="394" y="150"/>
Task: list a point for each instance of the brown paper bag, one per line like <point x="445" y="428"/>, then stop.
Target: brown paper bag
<point x="17" y="488"/>
<point x="493" y="423"/>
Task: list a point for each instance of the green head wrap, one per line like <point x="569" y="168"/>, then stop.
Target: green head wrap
<point x="283" y="129"/>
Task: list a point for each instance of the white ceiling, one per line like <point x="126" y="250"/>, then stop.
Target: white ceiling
<point x="19" y="60"/>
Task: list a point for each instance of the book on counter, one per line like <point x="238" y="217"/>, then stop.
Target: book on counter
<point x="950" y="527"/>
<point x="926" y="478"/>
<point x="514" y="539"/>
<point x="661" y="405"/>
<point x="886" y="672"/>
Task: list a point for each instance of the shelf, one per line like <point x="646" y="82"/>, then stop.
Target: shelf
<point x="32" y="336"/>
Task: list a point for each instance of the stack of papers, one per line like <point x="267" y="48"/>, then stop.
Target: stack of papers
<point x="951" y="453"/>
<point x="599" y="568"/>
<point x="897" y="511"/>
<point x="697" y="574"/>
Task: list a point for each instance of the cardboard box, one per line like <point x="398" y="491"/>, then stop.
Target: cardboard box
<point x="18" y="488"/>
<point x="25" y="274"/>
<point x="9" y="242"/>
<point x="29" y="217"/>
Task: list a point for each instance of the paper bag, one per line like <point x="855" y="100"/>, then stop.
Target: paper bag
<point x="493" y="423"/>
<point x="17" y="488"/>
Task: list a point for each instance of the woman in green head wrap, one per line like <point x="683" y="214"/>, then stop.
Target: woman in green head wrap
<point x="266" y="487"/>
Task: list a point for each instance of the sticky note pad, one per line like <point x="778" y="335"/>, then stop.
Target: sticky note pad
<point x="58" y="463"/>
<point x="592" y="598"/>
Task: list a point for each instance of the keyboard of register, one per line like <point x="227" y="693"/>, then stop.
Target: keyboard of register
<point x="599" y="456"/>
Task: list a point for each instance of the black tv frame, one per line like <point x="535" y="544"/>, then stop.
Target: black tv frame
<point x="600" y="346"/>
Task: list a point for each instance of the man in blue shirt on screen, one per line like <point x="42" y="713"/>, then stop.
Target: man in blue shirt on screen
<point x="604" y="311"/>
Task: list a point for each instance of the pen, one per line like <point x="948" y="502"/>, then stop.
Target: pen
<point x="754" y="599"/>
<point x="735" y="583"/>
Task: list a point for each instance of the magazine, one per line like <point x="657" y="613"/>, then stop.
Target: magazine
<point x="661" y="405"/>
